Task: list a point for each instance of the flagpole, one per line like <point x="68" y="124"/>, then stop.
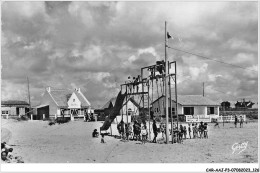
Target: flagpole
<point x="166" y="86"/>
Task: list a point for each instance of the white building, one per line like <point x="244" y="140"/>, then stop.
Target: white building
<point x="196" y="108"/>
<point x="60" y="102"/>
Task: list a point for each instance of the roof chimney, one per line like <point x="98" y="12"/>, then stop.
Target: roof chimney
<point x="78" y="89"/>
<point x="48" y="89"/>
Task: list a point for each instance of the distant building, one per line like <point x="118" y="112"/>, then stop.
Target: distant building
<point x="193" y="107"/>
<point x="244" y="104"/>
<point x="225" y="105"/>
<point x="255" y="106"/>
<point x="63" y="103"/>
<point x="14" y="108"/>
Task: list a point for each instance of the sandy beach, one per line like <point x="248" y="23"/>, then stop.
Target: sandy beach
<point x="37" y="142"/>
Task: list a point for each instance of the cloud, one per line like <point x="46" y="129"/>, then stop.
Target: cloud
<point x="97" y="45"/>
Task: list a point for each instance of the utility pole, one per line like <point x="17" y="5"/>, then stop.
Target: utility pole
<point x="170" y="90"/>
<point x="126" y="106"/>
<point x="203" y="89"/>
<point x="223" y="113"/>
<point x="176" y="98"/>
<point x="149" y="111"/>
<point x="166" y="86"/>
<point x="29" y="97"/>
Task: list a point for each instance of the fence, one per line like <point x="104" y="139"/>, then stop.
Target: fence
<point x="228" y="118"/>
<point x="231" y="118"/>
<point x="197" y="118"/>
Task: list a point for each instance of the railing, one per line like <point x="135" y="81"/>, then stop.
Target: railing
<point x="197" y="118"/>
<point x="231" y="118"/>
<point x="210" y="118"/>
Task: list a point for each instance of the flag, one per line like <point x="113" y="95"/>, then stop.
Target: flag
<point x="169" y="36"/>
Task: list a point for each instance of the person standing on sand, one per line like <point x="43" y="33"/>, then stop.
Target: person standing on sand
<point x="184" y="132"/>
<point x="138" y="130"/>
<point x="241" y="121"/>
<point x="206" y="130"/>
<point x="180" y="135"/>
<point x="201" y="129"/>
<point x="123" y="129"/>
<point x="236" y="121"/>
<point x="130" y="130"/>
<point x="155" y="131"/>
<point x="195" y="131"/>
<point x="162" y="130"/>
<point x="102" y="138"/>
<point x="127" y="131"/>
<point x="189" y="130"/>
<point x="144" y="133"/>
<point x="135" y="130"/>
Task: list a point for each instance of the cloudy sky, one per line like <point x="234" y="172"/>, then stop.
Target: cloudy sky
<point x="97" y="45"/>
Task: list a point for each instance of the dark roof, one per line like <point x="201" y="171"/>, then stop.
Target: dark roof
<point x="244" y="104"/>
<point x="14" y="102"/>
<point x="61" y="96"/>
<point x="193" y="100"/>
<point x="112" y="101"/>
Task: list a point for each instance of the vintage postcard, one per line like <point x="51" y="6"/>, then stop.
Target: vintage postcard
<point x="101" y="82"/>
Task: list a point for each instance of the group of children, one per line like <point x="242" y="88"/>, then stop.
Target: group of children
<point x="140" y="132"/>
<point x="194" y="130"/>
<point x="132" y="84"/>
<point x="241" y="121"/>
<point x="136" y="132"/>
<point x="6" y="155"/>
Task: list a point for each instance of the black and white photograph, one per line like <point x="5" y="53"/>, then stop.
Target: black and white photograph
<point x="138" y="82"/>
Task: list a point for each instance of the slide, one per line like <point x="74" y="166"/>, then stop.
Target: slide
<point x="114" y="112"/>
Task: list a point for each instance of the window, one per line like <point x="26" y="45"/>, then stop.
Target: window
<point x="4" y="112"/>
<point x="211" y="110"/>
<point x="73" y="100"/>
<point x="129" y="111"/>
<point x="188" y="110"/>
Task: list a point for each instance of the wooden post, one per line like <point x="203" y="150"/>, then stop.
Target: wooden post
<point x="170" y="103"/>
<point x="176" y="98"/>
<point x="166" y="87"/>
<point x="142" y="92"/>
<point x="126" y="111"/>
<point x="149" y="110"/>
<point x="43" y="116"/>
<point x="31" y="116"/>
